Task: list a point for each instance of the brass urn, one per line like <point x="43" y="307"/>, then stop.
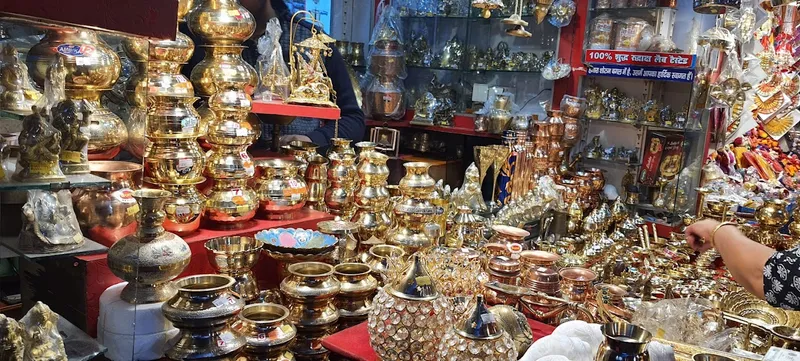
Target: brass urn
<point x="174" y="161"/>
<point x="415" y="216"/>
<point x="223" y="65"/>
<point x="150" y="258"/>
<point x="281" y="191"/>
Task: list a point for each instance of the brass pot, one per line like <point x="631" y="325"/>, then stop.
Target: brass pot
<point x="576" y="283"/>
<point x="382" y="258"/>
<point x="231" y="201"/>
<point x="223" y="162"/>
<point x="345" y="233"/>
<point x="203" y="310"/>
<point x="341" y="146"/>
<point x="339" y="197"/>
<point x="623" y="342"/>
<point x="281" y="192"/>
<point x="165" y="79"/>
<point x="268" y="332"/>
<point x="221" y="22"/>
<point x="223" y="66"/>
<point x="357" y="287"/>
<point x="178" y="51"/>
<point x="184" y="6"/>
<point x="90" y="63"/>
<point x="136" y="88"/>
<point x="371" y="196"/>
<point x="184" y="208"/>
<point x="415" y="216"/>
<point x="467" y="229"/>
<point x="310" y="290"/>
<point x="178" y="161"/>
<point x="230" y="98"/>
<point x="172" y="118"/>
<point x="137" y="143"/>
<point x="232" y="128"/>
<point x="108" y="213"/>
<point x="316" y="178"/>
<point x="106" y="129"/>
<point x="773" y="213"/>
<point x="207" y="116"/>
<point x="236" y="256"/>
<point x="150" y="258"/>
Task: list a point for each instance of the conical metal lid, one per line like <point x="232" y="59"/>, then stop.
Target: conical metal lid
<point x="480" y="324"/>
<point x="416" y="284"/>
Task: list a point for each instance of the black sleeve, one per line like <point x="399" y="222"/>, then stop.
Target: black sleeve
<point x="782" y="279"/>
<point x="351" y="124"/>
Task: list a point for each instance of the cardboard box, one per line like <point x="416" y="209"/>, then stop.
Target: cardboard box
<point x="663" y="157"/>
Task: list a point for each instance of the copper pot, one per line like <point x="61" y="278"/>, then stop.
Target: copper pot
<point x="543" y="279"/>
<point x="385" y="101"/>
<point x="507" y="234"/>
<point x="535" y="258"/>
<point x="597" y="179"/>
<point x="576" y="283"/>
<point x="109" y="213"/>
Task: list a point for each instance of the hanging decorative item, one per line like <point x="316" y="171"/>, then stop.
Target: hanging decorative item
<point x="561" y="13"/>
<point x="516" y="21"/>
<point x="310" y="83"/>
<point x="487" y="6"/>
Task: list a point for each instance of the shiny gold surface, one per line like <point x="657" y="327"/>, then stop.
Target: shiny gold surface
<point x="184" y="208"/>
<point x="106" y="129"/>
<point x="178" y="51"/>
<point x="281" y="191"/>
<point x="236" y="256"/>
<point x="229" y="162"/>
<point x="223" y="66"/>
<point x="339" y="196"/>
<point x="136" y="125"/>
<point x="371" y="196"/>
<point x="230" y="128"/>
<point x="260" y="319"/>
<point x="309" y="81"/>
<point x="96" y="67"/>
<point x="184" y="6"/>
<point x="231" y="201"/>
<point x="17" y="93"/>
<point x="357" y="288"/>
<point x="221" y="22"/>
<point x="108" y="211"/>
<point x="172" y="118"/>
<point x="173" y="161"/>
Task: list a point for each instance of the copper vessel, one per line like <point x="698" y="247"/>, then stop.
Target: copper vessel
<point x="221" y="22"/>
<point x="316" y="177"/>
<point x="357" y="288"/>
<point x="535" y="258"/>
<point x="415" y="228"/>
<point x="223" y="65"/>
<point x="150" y="258"/>
<point x="236" y="256"/>
<point x="310" y="290"/>
<point x="371" y="196"/>
<point x="339" y="197"/>
<point x="109" y="213"/>
<point x="178" y="161"/>
<point x="268" y="332"/>
<point x="506" y="235"/>
<point x="90" y="63"/>
<point x="281" y="192"/>
<point x="230" y="202"/>
<point x="576" y="283"/>
<point x="184" y="208"/>
<point x="385" y="100"/>
<point x="203" y="310"/>
<point x="504" y="270"/>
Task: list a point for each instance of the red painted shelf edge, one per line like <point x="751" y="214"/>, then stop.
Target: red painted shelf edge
<point x="144" y="18"/>
<point x="295" y="110"/>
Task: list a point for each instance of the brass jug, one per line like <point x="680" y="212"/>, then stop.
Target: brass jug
<point x="221" y="22"/>
<point x="415" y="225"/>
<point x="316" y="178"/>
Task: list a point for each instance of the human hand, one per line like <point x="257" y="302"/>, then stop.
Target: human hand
<point x="285" y="139"/>
<point x="698" y="235"/>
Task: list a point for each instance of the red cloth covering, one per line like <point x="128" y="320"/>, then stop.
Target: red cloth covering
<point x="353" y="343"/>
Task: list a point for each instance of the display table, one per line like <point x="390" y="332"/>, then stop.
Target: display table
<point x="353" y="343"/>
<point x="82" y="279"/>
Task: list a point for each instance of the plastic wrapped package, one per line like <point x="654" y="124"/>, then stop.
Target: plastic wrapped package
<point x="17" y="93"/>
<point x="49" y="223"/>
<point x="385" y="99"/>
<point x="687" y="320"/>
<point x="601" y="33"/>
<point x="556" y="69"/>
<point x="388" y="28"/>
<point x="39" y="149"/>
<point x="42" y="340"/>
<point x="272" y="69"/>
<point x="633" y="34"/>
<point x="662" y="44"/>
<point x="725" y="341"/>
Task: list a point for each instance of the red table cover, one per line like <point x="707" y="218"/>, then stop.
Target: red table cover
<point x="353" y="343"/>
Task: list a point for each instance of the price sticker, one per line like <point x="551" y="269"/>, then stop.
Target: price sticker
<point x="40" y="168"/>
<point x="124" y="195"/>
<point x="423" y="281"/>
<point x="132" y="210"/>
<point x="77" y="237"/>
<point x="224" y="300"/>
<point x="243" y="209"/>
<point x="184" y="165"/>
<point x="182" y="210"/>
<point x="70" y="156"/>
<point x="488" y="318"/>
<point x="241" y="132"/>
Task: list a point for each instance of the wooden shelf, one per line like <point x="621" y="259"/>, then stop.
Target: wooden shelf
<point x="295" y="110"/>
<point x="463" y="126"/>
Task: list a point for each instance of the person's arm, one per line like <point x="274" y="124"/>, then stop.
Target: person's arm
<point x="748" y="261"/>
<point x="351" y="124"/>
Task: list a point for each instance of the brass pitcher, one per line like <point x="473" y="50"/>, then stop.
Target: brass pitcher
<point x="203" y="310"/>
<point x="151" y="257"/>
<point x="371" y="196"/>
<point x="354" y="299"/>
<point x="310" y="290"/>
<point x="268" y="332"/>
<point x="221" y="22"/>
<point x="415" y="228"/>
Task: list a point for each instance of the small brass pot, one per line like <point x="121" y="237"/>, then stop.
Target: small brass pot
<point x="281" y="192"/>
<point x="316" y="177"/>
<point x="109" y="213"/>
<point x="221" y="22"/>
<point x="236" y="256"/>
<point x="357" y="288"/>
<point x="230" y="202"/>
<point x="177" y="161"/>
<point x="383" y="259"/>
<point x="268" y="332"/>
<point x="223" y="66"/>
<point x="184" y="208"/>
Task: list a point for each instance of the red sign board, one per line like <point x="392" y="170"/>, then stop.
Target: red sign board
<point x="640" y="58"/>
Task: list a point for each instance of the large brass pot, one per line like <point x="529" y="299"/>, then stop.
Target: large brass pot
<point x="229" y="162"/>
<point x="235" y="257"/>
<point x="157" y="79"/>
<point x="172" y="118"/>
<point x="203" y="310"/>
<point x="310" y="290"/>
<point x="357" y="287"/>
<point x="223" y="66"/>
<point x="108" y="213"/>
<point x="221" y="22"/>
<point x="268" y="331"/>
<point x="90" y="63"/>
<point x="184" y="208"/>
<point x="151" y="257"/>
<point x="281" y="192"/>
<point x="106" y="129"/>
<point x="231" y="201"/>
<point x="178" y="161"/>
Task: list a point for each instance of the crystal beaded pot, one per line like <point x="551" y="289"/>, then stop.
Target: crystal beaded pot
<point x="235" y="257"/>
<point x="268" y="332"/>
<point x="151" y="257"/>
<point x="408" y="317"/>
<point x="203" y="310"/>
<point x="357" y="288"/>
<point x="108" y="212"/>
<point x="479" y="336"/>
<point x="184" y="208"/>
<point x="281" y="191"/>
<point x="371" y="196"/>
<point x="310" y="290"/>
<point x="415" y="226"/>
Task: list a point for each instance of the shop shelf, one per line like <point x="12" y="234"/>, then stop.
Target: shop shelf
<point x="295" y="110"/>
<point x="9" y="247"/>
<point x="640" y="124"/>
<point x="473" y="70"/>
<point x="7" y="114"/>
<point x="434" y="128"/>
<point x="72" y="181"/>
<point x="609" y="162"/>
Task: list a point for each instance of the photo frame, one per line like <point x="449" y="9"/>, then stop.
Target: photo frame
<point x="386" y="140"/>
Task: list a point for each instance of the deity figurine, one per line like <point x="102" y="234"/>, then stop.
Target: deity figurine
<point x="469" y="194"/>
<point x="452" y="54"/>
<point x="651" y="112"/>
<point x="594" y="109"/>
<point x="17" y="94"/>
<point x="667" y="116"/>
<point x="42" y="338"/>
<point x="310" y="81"/>
<point x="49" y="223"/>
<point x="425" y="109"/>
<point x="594" y="150"/>
<point x="611" y="100"/>
<point x="39" y="149"/>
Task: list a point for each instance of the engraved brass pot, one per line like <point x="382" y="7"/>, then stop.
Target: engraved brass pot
<point x="150" y="258"/>
<point x="203" y="310"/>
<point x="184" y="208"/>
<point x="223" y="66"/>
<point x="236" y="256"/>
<point x="90" y="63"/>
<point x="229" y="162"/>
<point x="172" y="118"/>
<point x="184" y="6"/>
<point x="231" y="201"/>
<point x="268" y="331"/>
<point x="281" y="192"/>
<point x="357" y="288"/>
<point x="108" y="213"/>
<point x="221" y="22"/>
<point x="106" y="129"/>
<point x="178" y="161"/>
<point x="310" y="290"/>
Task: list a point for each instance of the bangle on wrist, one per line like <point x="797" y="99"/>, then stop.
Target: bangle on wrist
<point x="714" y="232"/>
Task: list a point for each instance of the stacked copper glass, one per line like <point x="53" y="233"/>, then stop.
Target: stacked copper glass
<point x="164" y="125"/>
<point x="228" y="82"/>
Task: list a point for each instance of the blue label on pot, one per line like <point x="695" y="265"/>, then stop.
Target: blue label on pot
<point x="75" y="49"/>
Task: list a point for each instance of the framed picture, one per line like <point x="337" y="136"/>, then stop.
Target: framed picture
<point x="386" y="139"/>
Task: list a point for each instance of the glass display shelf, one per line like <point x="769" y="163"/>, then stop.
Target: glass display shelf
<point x="630" y="10"/>
<point x="474" y="70"/>
<point x="72" y="181"/>
<point x="617" y="162"/>
<point x="7" y="114"/>
<point x="650" y="207"/>
<point x="640" y="124"/>
<point x="9" y="247"/>
<point x="474" y="17"/>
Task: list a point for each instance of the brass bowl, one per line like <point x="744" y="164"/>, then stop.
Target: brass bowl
<point x="91" y="64"/>
<point x="178" y="161"/>
<point x="221" y="22"/>
<point x="179" y="50"/>
<point x="231" y="201"/>
<point x="173" y="118"/>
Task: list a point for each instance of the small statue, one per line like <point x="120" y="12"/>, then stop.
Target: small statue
<point x="452" y="54"/>
<point x="419" y="53"/>
<point x="49" y="224"/>
<point x="39" y="149"/>
<point x="42" y="340"/>
<point x="425" y="109"/>
<point x="17" y="95"/>
<point x="595" y="149"/>
<point x="470" y="193"/>
<point x="609" y="153"/>
<point x="594" y="109"/>
<point x="667" y="116"/>
<point x="651" y="112"/>
<point x="12" y="339"/>
<point x="72" y="121"/>
<point x="611" y="100"/>
<point x="631" y="110"/>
